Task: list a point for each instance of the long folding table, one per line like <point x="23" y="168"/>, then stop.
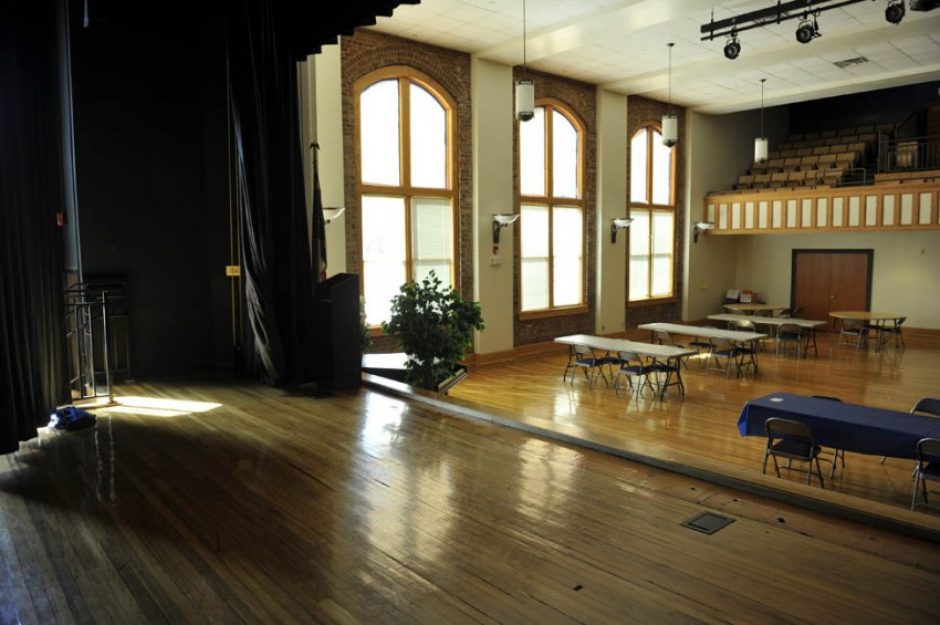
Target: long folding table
<point x="875" y="319"/>
<point x="734" y="336"/>
<point x="775" y="322"/>
<point x="669" y="355"/>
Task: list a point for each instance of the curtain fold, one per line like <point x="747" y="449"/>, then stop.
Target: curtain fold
<point x="33" y="377"/>
<point x="277" y="274"/>
<point x="264" y="39"/>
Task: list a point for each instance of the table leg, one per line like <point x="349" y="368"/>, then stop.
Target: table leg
<point x="811" y="335"/>
<point x="880" y="344"/>
<point x="678" y="360"/>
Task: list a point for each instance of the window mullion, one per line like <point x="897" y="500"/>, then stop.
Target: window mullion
<point x="649" y="283"/>
<point x="549" y="196"/>
<point x="404" y="94"/>
<point x="650" y="135"/>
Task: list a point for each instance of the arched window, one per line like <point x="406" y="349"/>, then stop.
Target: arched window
<point x="551" y="202"/>
<point x="405" y="184"/>
<point x="653" y="208"/>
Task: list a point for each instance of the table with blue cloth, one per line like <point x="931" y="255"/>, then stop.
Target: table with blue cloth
<point x="853" y="427"/>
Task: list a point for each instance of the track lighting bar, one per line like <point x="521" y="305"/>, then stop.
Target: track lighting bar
<point x="780" y="12"/>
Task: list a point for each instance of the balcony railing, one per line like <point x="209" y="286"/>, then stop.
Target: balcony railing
<point x="909" y="154"/>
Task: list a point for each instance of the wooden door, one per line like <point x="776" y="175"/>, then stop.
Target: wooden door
<point x="827" y="280"/>
<point x="811" y="285"/>
<point x="848" y="281"/>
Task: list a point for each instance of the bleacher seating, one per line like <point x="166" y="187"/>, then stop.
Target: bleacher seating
<point x="813" y="159"/>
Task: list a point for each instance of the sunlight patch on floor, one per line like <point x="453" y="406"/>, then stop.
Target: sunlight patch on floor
<point x="159" y="406"/>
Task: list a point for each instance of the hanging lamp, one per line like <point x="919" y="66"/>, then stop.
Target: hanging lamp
<point x="525" y="88"/>
<point x="670" y="119"/>
<point x="760" y="143"/>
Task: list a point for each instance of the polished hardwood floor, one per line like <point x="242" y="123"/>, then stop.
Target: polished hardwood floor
<point x="700" y="428"/>
<point x="215" y="502"/>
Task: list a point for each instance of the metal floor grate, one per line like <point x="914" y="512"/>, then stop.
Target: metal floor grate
<point x="707" y="522"/>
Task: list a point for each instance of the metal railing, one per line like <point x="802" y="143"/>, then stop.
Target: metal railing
<point x="853" y="176"/>
<point x="91" y="337"/>
<point x="909" y="154"/>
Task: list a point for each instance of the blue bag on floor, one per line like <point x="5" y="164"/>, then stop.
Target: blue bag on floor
<point x="72" y="418"/>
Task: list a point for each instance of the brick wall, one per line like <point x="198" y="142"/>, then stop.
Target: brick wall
<point x="367" y="51"/>
<point x="581" y="99"/>
<point x="642" y="110"/>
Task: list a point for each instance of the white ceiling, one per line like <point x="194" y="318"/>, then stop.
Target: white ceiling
<point x="621" y="44"/>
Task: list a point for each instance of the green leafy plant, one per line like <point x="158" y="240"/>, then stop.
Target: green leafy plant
<point x="434" y="326"/>
<point x="365" y="339"/>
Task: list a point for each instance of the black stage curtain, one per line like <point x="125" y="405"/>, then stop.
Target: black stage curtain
<point x="33" y="378"/>
<point x="264" y="40"/>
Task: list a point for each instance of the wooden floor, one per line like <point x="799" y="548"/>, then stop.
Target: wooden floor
<point x="702" y="426"/>
<point x="216" y="503"/>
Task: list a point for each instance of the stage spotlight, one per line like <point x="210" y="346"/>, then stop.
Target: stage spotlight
<point x="894" y="12"/>
<point x="732" y="48"/>
<point x="807" y="30"/>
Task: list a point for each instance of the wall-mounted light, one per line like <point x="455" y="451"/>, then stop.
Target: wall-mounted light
<point x="618" y="223"/>
<point x="500" y="221"/>
<point x="332" y="214"/>
<point x="700" y="227"/>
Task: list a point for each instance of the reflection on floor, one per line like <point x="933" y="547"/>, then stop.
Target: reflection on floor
<point x="363" y="508"/>
<point x="703" y="424"/>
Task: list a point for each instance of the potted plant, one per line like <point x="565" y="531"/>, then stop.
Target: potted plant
<point x="434" y="327"/>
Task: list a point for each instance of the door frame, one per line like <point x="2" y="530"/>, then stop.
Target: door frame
<point x="871" y="265"/>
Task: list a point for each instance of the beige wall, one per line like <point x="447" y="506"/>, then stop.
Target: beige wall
<point x="329" y="121"/>
<point x="611" y="202"/>
<point x="905" y="276"/>
<point x="492" y="105"/>
<point x="721" y="147"/>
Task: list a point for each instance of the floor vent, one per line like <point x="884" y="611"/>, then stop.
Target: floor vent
<point x="707" y="522"/>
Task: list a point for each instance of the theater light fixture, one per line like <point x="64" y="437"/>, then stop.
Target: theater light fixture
<point x="783" y="10"/>
<point x="700" y="227"/>
<point x="500" y="221"/>
<point x="670" y="119"/>
<point x="733" y="47"/>
<point x="894" y="12"/>
<point x="808" y="29"/>
<point x="618" y="223"/>
<point x="760" y="143"/>
<point x="525" y="88"/>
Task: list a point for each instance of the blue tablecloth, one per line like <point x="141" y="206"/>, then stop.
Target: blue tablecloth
<point x="852" y="427"/>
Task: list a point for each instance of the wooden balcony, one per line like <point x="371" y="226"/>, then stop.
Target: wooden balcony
<point x="895" y="205"/>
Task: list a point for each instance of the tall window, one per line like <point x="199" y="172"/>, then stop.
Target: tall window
<point x="406" y="189"/>
<point x="552" y="208"/>
<point x="653" y="208"/>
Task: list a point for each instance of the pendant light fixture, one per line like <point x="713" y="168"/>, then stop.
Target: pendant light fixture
<point x="670" y="119"/>
<point x="525" y="88"/>
<point x="760" y="143"/>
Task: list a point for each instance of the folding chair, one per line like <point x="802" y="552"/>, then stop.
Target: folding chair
<point x="837" y="454"/>
<point x="792" y="440"/>
<point x="632" y="366"/>
<point x="928" y="466"/>
<point x="583" y="357"/>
